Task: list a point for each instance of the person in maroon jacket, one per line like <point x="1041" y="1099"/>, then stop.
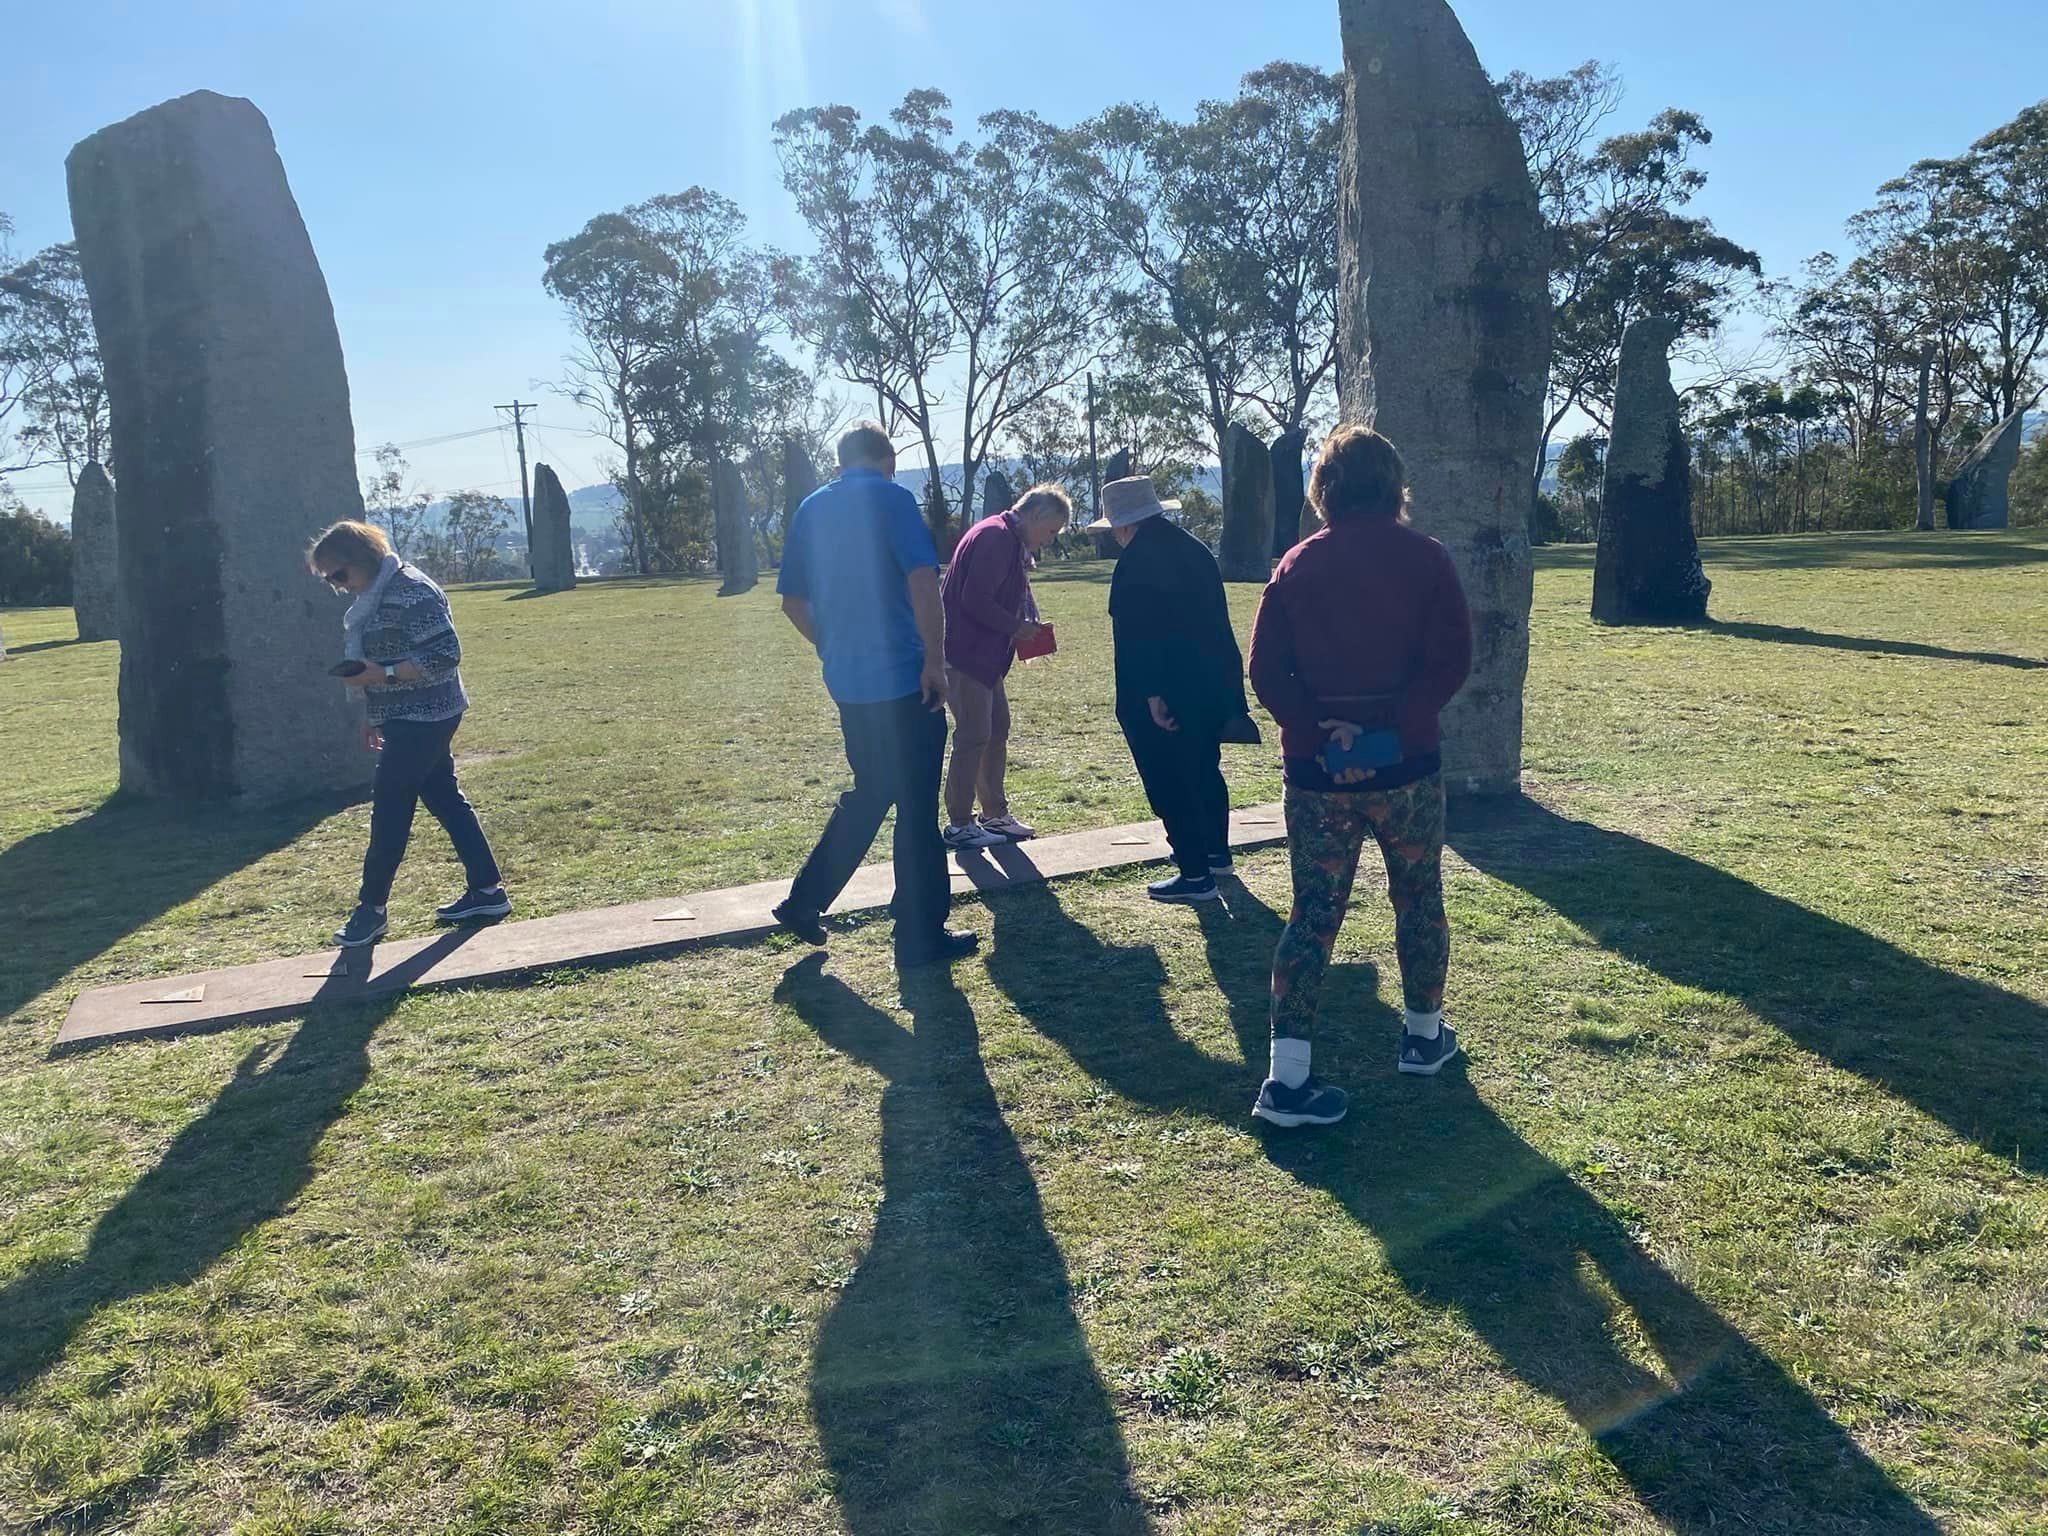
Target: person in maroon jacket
<point x="989" y="612"/>
<point x="1362" y="638"/>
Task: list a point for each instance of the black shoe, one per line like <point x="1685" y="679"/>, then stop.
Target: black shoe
<point x="1313" y="1103"/>
<point x="475" y="906"/>
<point x="1426" y="1058"/>
<point x="1182" y="888"/>
<point x="805" y="925"/>
<point x="952" y="944"/>
<point x="365" y="925"/>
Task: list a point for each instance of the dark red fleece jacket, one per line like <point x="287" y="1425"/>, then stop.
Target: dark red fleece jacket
<point x="1364" y="621"/>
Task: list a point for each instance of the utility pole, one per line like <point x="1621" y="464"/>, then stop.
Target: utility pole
<point x="519" y="408"/>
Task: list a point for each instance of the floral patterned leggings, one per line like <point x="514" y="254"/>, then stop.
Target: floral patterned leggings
<point x="1325" y="834"/>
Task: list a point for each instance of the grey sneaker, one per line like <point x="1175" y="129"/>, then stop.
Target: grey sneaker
<point x="365" y="925"/>
<point x="475" y="906"/>
<point x="971" y="834"/>
<point x="1425" y="1058"/>
<point x="1313" y="1103"/>
<point x="1182" y="890"/>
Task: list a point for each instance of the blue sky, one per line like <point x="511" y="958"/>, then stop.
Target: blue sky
<point x="436" y="147"/>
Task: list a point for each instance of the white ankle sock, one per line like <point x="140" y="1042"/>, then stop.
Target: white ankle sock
<point x="1290" y="1062"/>
<point x="1425" y="1025"/>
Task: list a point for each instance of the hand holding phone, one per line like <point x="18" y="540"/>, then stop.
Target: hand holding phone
<point x="348" y="669"/>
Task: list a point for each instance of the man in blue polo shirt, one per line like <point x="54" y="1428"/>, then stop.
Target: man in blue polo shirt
<point x="860" y="581"/>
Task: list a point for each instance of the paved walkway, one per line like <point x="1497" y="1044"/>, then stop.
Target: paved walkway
<point x="278" y="988"/>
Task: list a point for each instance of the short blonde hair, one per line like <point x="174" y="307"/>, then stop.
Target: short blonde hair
<point x="348" y="542"/>
<point x="1045" y="499"/>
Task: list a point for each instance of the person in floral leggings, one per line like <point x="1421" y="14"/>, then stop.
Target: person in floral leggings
<point x="1363" y="636"/>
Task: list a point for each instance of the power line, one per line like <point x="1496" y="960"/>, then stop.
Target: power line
<point x="430" y="442"/>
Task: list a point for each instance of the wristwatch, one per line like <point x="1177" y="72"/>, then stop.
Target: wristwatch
<point x="390" y="675"/>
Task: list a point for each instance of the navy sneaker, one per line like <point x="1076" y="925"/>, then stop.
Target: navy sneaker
<point x="1426" y="1058"/>
<point x="475" y="906"/>
<point x="365" y="925"/>
<point x="951" y="944"/>
<point x="805" y="925"/>
<point x="1313" y="1103"/>
<point x="1183" y="889"/>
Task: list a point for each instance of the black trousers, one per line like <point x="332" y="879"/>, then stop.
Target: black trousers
<point x="1183" y="776"/>
<point x="416" y="768"/>
<point x="897" y="751"/>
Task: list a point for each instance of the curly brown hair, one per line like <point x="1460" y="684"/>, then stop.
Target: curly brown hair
<point x="1358" y="474"/>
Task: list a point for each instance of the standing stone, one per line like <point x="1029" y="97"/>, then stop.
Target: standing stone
<point x="1977" y="495"/>
<point x="94" y="574"/>
<point x="231" y="426"/>
<point x="1114" y="468"/>
<point x="738" y="562"/>
<point x="1444" y="333"/>
<point x="1289" y="491"/>
<point x="799" y="478"/>
<point x="1647" y="569"/>
<point x="996" y="494"/>
<point x="1244" y="552"/>
<point x="554" y="545"/>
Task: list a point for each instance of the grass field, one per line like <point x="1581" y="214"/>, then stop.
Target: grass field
<point x="1737" y="1220"/>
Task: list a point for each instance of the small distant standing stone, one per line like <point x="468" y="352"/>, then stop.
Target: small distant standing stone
<point x="799" y="478"/>
<point x="738" y="562"/>
<point x="996" y="495"/>
<point x="1116" y="467"/>
<point x="231" y="426"/>
<point x="1244" y="552"/>
<point x="1978" y="495"/>
<point x="94" y="552"/>
<point x="554" y="546"/>
<point x="1647" y="569"/>
<point x="1289" y="492"/>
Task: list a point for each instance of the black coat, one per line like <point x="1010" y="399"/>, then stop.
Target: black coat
<point x="1172" y="628"/>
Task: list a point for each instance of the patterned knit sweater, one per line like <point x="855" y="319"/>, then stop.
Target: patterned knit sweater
<point x="412" y="623"/>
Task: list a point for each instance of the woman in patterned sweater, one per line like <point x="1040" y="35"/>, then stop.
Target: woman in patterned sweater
<point x="400" y="637"/>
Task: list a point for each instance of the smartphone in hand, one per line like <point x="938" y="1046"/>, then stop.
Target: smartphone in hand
<point x="348" y="668"/>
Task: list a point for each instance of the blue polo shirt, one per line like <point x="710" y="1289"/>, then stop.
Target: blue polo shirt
<point x="847" y="552"/>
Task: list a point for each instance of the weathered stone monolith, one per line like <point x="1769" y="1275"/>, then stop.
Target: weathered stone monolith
<point x="1977" y="496"/>
<point x="996" y="494"/>
<point x="554" y="542"/>
<point x="1289" y="491"/>
<point x="799" y="478"/>
<point x="1114" y="468"/>
<point x="231" y="426"/>
<point x="738" y="561"/>
<point x="1444" y="332"/>
<point x="1244" y="552"/>
<point x="94" y="573"/>
<point x="1647" y="568"/>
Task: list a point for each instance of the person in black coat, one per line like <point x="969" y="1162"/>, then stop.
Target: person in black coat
<point x="1179" y="680"/>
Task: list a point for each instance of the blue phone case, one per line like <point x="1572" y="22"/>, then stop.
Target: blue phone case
<point x="1371" y="750"/>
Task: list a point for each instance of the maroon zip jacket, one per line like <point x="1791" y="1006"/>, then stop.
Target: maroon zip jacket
<point x="1364" y="621"/>
<point x="987" y="598"/>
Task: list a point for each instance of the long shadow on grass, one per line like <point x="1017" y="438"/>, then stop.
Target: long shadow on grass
<point x="1780" y="634"/>
<point x="952" y="1387"/>
<point x="1715" y="1436"/>
<point x="229" y="1171"/>
<point x="1867" y="1006"/>
<point x="69" y="894"/>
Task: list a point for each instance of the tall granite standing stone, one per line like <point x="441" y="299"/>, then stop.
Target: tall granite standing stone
<point x="1444" y="333"/>
<point x="996" y="494"/>
<point x="1244" y="552"/>
<point x="1114" y="468"/>
<point x="799" y="478"/>
<point x="94" y="547"/>
<point x="1647" y="569"/>
<point x="1289" y="491"/>
<point x="231" y="426"/>
<point x="738" y="561"/>
<point x="1977" y="496"/>
<point x="554" y="544"/>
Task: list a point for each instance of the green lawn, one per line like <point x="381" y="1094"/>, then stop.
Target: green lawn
<point x="1737" y="1219"/>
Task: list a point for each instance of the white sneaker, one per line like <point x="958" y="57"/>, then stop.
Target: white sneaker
<point x="972" y="835"/>
<point x="1008" y="827"/>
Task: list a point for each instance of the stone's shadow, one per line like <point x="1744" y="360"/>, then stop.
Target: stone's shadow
<point x="952" y="1387"/>
<point x="49" y="645"/>
<point x="1702" y="927"/>
<point x="225" y="1174"/>
<point x="1779" y="634"/>
<point x="1711" y="1435"/>
<point x="69" y="894"/>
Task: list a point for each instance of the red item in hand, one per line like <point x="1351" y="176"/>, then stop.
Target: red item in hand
<point x="1040" y="644"/>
